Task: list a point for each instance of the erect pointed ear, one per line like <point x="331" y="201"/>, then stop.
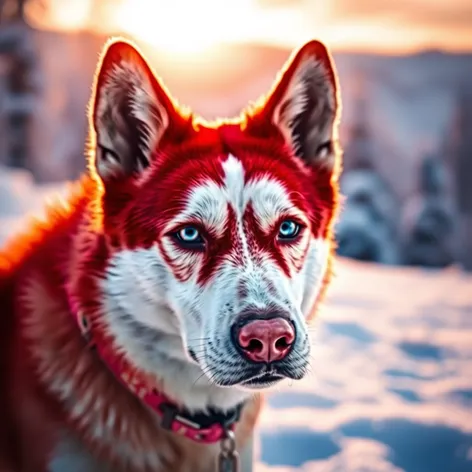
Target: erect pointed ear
<point x="130" y="111"/>
<point x="304" y="105"/>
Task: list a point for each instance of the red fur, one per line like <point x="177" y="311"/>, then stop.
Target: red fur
<point x="197" y="160"/>
<point x="60" y="256"/>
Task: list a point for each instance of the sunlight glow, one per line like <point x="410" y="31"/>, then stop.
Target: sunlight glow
<point x="72" y="17"/>
<point x="186" y="29"/>
<point x="184" y="26"/>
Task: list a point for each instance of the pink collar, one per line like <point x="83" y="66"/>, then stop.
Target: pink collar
<point x="205" y="428"/>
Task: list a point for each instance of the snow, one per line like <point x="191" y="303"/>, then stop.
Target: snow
<point x="391" y="382"/>
<point x="390" y="387"/>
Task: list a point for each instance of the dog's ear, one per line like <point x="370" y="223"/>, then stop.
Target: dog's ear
<point x="304" y="105"/>
<point x="130" y="111"/>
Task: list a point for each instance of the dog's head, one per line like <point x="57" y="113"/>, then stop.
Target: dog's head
<point x="221" y="233"/>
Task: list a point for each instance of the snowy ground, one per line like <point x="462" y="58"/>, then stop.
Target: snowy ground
<point x="391" y="382"/>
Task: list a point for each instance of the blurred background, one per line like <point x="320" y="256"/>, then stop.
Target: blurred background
<point x="391" y="387"/>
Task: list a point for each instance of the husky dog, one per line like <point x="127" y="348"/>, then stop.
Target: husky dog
<point x="142" y="319"/>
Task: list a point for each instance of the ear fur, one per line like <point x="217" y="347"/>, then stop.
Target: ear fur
<point x="304" y="105"/>
<point x="130" y="112"/>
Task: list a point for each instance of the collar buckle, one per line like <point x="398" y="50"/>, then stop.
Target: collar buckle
<point x="169" y="415"/>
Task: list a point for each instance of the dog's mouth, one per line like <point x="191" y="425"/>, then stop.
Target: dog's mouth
<point x="254" y="377"/>
<point x="261" y="379"/>
<point x="265" y="379"/>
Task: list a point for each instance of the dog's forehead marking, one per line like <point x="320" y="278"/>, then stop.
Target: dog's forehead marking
<point x="234" y="179"/>
<point x="234" y="183"/>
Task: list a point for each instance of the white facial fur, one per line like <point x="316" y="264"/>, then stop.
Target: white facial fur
<point x="156" y="316"/>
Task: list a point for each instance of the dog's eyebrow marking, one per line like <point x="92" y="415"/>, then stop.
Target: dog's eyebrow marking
<point x="270" y="200"/>
<point x="206" y="203"/>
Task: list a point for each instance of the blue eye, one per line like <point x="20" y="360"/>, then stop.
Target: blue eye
<point x="288" y="229"/>
<point x="189" y="234"/>
<point x="189" y="237"/>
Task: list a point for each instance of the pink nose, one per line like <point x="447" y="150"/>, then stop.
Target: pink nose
<point x="266" y="340"/>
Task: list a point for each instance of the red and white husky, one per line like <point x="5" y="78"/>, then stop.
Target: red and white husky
<point x="142" y="318"/>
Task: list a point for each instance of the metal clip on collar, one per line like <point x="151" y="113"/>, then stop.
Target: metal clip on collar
<point x="228" y="459"/>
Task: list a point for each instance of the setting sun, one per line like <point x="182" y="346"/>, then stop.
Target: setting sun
<point x="182" y="26"/>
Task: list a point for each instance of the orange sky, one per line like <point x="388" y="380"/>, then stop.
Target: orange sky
<point x="190" y="26"/>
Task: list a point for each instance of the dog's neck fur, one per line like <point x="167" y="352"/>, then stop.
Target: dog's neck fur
<point x="111" y="425"/>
